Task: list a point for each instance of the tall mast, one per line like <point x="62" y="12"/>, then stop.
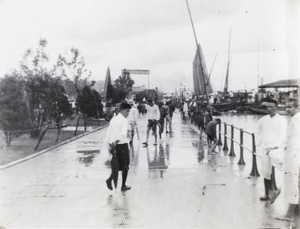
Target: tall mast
<point x="211" y="69"/>
<point x="228" y="63"/>
<point x="257" y="64"/>
<point x="198" y="52"/>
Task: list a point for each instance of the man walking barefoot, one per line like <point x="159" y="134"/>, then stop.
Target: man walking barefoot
<point x="153" y="116"/>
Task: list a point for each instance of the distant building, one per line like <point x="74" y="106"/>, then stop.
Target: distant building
<point x="138" y="88"/>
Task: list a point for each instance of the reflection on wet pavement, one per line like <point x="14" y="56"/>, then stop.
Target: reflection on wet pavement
<point x="87" y="157"/>
<point x="119" y="212"/>
<point x="157" y="161"/>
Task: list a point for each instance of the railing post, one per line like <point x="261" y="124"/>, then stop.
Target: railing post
<point x="225" y="147"/>
<point x="232" y="154"/>
<point x="220" y="140"/>
<point x="241" y="161"/>
<point x="254" y="171"/>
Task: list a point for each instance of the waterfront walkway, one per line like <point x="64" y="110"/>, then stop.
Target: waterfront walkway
<point x="174" y="185"/>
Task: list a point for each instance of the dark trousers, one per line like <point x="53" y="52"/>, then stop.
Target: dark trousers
<point x="122" y="154"/>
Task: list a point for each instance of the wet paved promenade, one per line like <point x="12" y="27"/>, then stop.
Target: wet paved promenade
<point x="174" y="185"/>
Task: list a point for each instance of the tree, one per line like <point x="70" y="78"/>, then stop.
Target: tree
<point x="107" y="83"/>
<point x="146" y="94"/>
<point x="89" y="103"/>
<point x="45" y="91"/>
<point x="33" y="69"/>
<point x="48" y="102"/>
<point x="110" y="93"/>
<point x="14" y="112"/>
<point x="72" y="66"/>
<point x="123" y="86"/>
<point x="59" y="107"/>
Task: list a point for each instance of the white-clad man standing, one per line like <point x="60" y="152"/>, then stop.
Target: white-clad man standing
<point x="291" y="162"/>
<point x="271" y="135"/>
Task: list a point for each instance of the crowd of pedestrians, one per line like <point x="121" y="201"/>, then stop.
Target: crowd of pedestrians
<point x="273" y="134"/>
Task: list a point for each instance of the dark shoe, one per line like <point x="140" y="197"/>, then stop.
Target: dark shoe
<point x="264" y="198"/>
<point x="276" y="194"/>
<point x="125" y="188"/>
<point x="155" y="143"/>
<point x="167" y="132"/>
<point x="108" y="184"/>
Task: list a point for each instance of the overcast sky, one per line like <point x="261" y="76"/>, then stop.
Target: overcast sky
<point x="155" y="35"/>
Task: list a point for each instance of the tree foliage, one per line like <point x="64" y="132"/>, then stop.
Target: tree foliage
<point x="146" y="94"/>
<point x="47" y="100"/>
<point x="89" y="103"/>
<point x="36" y="94"/>
<point x="14" y="112"/>
<point x="45" y="92"/>
<point x="110" y="93"/>
<point x="72" y="67"/>
<point x="122" y="87"/>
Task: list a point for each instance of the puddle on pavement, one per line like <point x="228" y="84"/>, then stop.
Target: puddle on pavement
<point x="87" y="156"/>
<point x="158" y="161"/>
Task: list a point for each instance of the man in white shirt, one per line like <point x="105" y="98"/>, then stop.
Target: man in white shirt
<point x="132" y="120"/>
<point x="271" y="134"/>
<point x="185" y="110"/>
<point x="117" y="138"/>
<point x="291" y="161"/>
<point x="153" y="116"/>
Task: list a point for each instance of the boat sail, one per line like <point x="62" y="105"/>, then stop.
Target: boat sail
<point x="200" y="75"/>
<point x="228" y="65"/>
<point x="201" y="63"/>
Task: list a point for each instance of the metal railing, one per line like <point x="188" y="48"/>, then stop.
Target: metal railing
<point x="242" y="147"/>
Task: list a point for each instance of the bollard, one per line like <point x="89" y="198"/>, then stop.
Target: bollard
<point x="241" y="161"/>
<point x="254" y="171"/>
<point x="225" y="147"/>
<point x="232" y="154"/>
<point x="273" y="181"/>
<point x="220" y="140"/>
